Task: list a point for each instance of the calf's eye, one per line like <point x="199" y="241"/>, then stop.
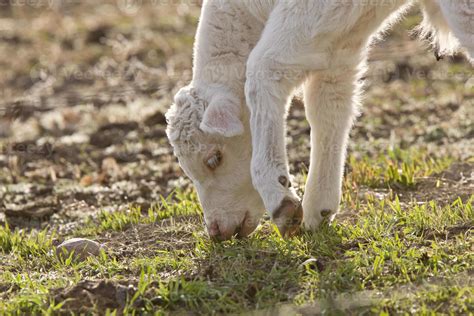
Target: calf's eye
<point x="214" y="160"/>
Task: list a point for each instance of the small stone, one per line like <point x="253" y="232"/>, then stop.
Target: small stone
<point x="82" y="248"/>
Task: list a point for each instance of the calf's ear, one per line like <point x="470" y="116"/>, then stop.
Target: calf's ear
<point x="222" y="117"/>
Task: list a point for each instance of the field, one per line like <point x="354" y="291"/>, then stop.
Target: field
<point x="84" y="86"/>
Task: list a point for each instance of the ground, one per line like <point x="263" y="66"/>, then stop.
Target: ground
<point x="83" y="153"/>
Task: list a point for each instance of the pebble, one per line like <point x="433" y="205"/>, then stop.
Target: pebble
<point x="82" y="248"/>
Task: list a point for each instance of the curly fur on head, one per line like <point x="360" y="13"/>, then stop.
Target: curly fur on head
<point x="184" y="117"/>
<point x="203" y="116"/>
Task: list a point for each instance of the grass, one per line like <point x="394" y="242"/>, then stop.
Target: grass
<point x="385" y="246"/>
<point x="187" y="205"/>
<point x="437" y="299"/>
<point x="395" y="168"/>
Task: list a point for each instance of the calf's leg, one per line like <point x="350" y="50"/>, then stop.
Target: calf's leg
<point x="460" y="17"/>
<point x="331" y="106"/>
<point x="276" y="66"/>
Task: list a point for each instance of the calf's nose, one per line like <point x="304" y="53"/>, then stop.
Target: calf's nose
<point x="213" y="230"/>
<point x="221" y="232"/>
<point x="226" y="229"/>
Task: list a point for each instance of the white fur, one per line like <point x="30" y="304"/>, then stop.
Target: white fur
<point x="250" y="56"/>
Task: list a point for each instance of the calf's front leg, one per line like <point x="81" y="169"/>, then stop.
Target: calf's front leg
<point x="330" y="101"/>
<point x="272" y="75"/>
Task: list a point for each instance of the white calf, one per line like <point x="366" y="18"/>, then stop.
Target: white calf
<point x="257" y="52"/>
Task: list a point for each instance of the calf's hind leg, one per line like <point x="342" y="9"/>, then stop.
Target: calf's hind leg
<point x="460" y="17"/>
<point x="331" y="106"/>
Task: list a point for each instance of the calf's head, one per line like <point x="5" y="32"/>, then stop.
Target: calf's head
<point x="213" y="146"/>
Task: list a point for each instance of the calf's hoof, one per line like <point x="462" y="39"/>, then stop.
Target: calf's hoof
<point x="288" y="217"/>
<point x="312" y="221"/>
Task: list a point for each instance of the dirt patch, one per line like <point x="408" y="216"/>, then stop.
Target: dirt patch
<point x="71" y="102"/>
<point x="98" y="296"/>
<point x="146" y="240"/>
<point x="445" y="188"/>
